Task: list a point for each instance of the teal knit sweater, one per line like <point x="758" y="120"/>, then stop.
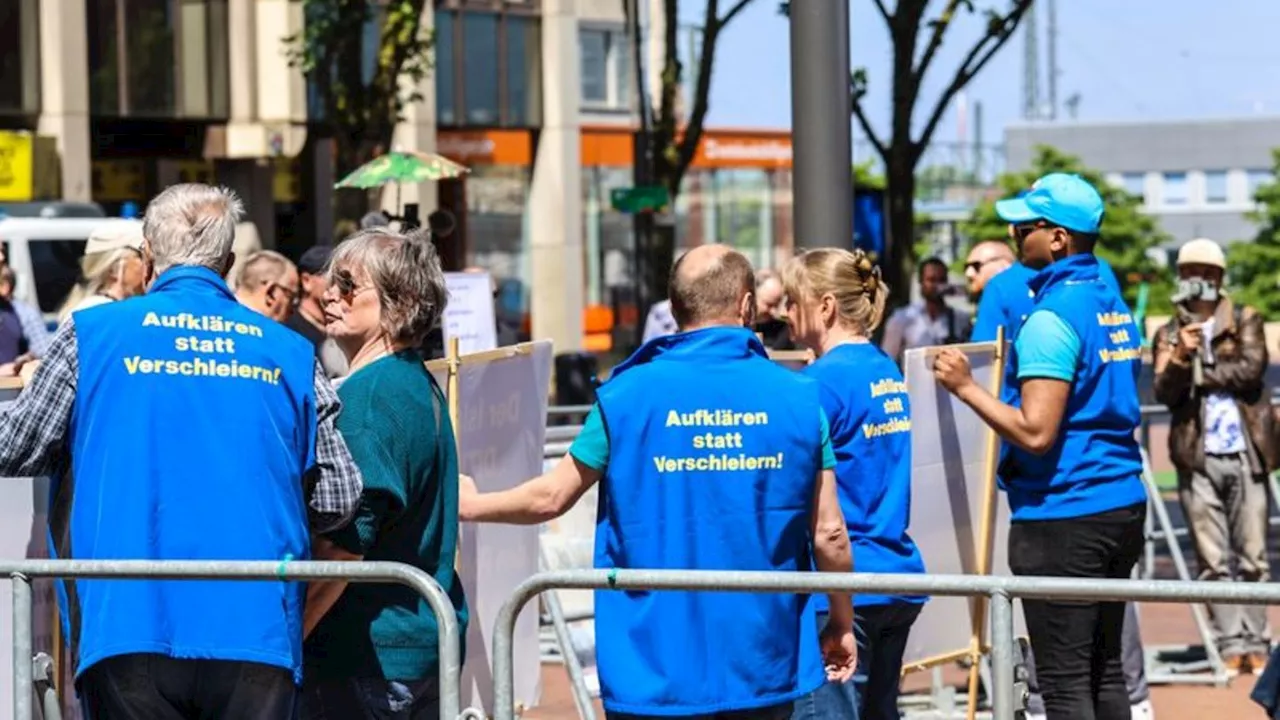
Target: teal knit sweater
<point x="396" y="423"/>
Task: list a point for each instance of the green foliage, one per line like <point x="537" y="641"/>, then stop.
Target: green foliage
<point x="865" y="176"/>
<point x="1127" y="234"/>
<point x="362" y="108"/>
<point x="1254" y="267"/>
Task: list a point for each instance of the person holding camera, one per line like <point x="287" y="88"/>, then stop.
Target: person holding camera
<point x="1209" y="364"/>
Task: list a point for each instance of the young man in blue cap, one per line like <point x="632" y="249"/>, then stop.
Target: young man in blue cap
<point x="1073" y="471"/>
<point x="1005" y="302"/>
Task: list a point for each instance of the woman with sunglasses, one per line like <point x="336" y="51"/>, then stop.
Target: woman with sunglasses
<point x="371" y="648"/>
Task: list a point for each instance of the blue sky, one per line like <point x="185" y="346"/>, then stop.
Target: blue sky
<point x="1128" y="59"/>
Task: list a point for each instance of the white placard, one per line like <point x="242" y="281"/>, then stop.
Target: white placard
<point x="501" y="432"/>
<point x="948" y="482"/>
<point x="469" y="316"/>
<point x="24" y="506"/>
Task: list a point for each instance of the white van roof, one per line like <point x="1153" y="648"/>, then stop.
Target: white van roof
<point x="55" y="228"/>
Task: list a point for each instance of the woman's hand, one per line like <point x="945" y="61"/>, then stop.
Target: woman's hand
<point x="951" y="368"/>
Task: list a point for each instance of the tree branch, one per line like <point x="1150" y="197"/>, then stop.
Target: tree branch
<point x="871" y="134"/>
<point x="998" y="33"/>
<point x="884" y="12"/>
<point x="733" y="12"/>
<point x="698" y="113"/>
<point x="935" y="41"/>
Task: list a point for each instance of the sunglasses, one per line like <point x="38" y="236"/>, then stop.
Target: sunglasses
<point x="346" y="285"/>
<point x="1025" y="229"/>
<point x="977" y="265"/>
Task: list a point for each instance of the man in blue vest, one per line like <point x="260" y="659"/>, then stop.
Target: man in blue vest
<point x="1006" y="301"/>
<point x="182" y="425"/>
<point x="1073" y="469"/>
<point x="710" y="456"/>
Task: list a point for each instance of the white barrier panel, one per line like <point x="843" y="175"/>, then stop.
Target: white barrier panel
<point x="949" y="445"/>
<point x="24" y="504"/>
<point x="501" y="430"/>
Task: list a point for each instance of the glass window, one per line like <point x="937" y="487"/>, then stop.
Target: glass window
<point x="56" y="267"/>
<point x="104" y="57"/>
<point x="19" y="57"/>
<point x="1175" y="189"/>
<point x="594" y="47"/>
<point x="1135" y="184"/>
<point x="1215" y="186"/>
<point x="445" y="69"/>
<point x="480" y="67"/>
<point x="1257" y="178"/>
<point x="149" y="48"/>
<point x="523" y="72"/>
<point x="159" y="58"/>
<point x="622" y="62"/>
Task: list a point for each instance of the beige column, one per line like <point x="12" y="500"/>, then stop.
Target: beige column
<point x="417" y="132"/>
<point x="555" y="199"/>
<point x="64" y="93"/>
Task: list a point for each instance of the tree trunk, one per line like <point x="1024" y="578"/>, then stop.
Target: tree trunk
<point x="898" y="264"/>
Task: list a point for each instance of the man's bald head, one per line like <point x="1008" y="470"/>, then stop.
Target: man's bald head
<point x="986" y="260"/>
<point x="712" y="285"/>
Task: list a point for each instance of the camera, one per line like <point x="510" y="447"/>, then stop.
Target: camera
<point x="1194" y="288"/>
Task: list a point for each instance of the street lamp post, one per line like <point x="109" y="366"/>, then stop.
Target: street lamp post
<point x="820" y="132"/>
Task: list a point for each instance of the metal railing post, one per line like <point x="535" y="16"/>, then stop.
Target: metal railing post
<point x="1003" y="696"/>
<point x="21" y="571"/>
<point x="23" y="692"/>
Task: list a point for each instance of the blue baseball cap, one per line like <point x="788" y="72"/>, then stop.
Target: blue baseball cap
<point x="1068" y="201"/>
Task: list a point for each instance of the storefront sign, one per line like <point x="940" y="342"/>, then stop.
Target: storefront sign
<point x="486" y="147"/>
<point x="16" y="167"/>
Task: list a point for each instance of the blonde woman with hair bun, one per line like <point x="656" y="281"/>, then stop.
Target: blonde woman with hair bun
<point x="835" y="300"/>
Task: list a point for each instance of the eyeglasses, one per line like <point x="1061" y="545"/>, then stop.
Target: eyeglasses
<point x="292" y="294"/>
<point x="1025" y="229"/>
<point x="977" y="265"/>
<point x="346" y="285"/>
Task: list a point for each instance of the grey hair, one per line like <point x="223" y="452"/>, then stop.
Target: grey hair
<point x="405" y="271"/>
<point x="192" y="224"/>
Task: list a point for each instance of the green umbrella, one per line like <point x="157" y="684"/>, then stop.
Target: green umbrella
<point x="402" y="167"/>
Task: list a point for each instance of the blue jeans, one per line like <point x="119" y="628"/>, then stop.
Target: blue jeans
<point x="370" y="698"/>
<point x="881" y="632"/>
<point x="144" y="686"/>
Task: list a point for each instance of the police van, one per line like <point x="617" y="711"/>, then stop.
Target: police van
<point x="45" y="255"/>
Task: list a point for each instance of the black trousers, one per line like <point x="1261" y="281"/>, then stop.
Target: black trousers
<point x="156" y="687"/>
<point x="1079" y="662"/>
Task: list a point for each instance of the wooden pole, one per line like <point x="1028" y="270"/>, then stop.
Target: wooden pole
<point x="451" y="396"/>
<point x="986" y="532"/>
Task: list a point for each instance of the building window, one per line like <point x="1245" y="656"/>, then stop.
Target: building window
<point x="488" y="67"/>
<point x="445" y="69"/>
<point x="1136" y="185"/>
<point x="1256" y="179"/>
<point x="523" y="72"/>
<point x="158" y="58"/>
<point x="1175" y="189"/>
<point x="606" y="69"/>
<point x="1215" y="186"/>
<point x="19" y="58"/>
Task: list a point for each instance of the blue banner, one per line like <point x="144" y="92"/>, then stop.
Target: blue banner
<point x="869" y="221"/>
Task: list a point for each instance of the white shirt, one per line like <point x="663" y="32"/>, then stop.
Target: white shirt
<point x="911" y="327"/>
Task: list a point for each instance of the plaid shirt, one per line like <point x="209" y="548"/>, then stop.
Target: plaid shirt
<point x="33" y="328"/>
<point x="36" y="428"/>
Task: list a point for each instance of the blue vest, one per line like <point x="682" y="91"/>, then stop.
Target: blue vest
<point x="1006" y="301"/>
<point x="193" y="424"/>
<point x="866" y="402"/>
<point x="1095" y="465"/>
<point x="713" y="454"/>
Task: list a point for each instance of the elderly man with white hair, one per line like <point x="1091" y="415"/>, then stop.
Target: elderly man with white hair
<point x="183" y="425"/>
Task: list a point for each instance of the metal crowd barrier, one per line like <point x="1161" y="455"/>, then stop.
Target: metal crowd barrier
<point x="1005" y="701"/>
<point x="21" y="572"/>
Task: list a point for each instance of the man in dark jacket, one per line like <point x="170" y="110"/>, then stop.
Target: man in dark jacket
<point x="1209" y="365"/>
